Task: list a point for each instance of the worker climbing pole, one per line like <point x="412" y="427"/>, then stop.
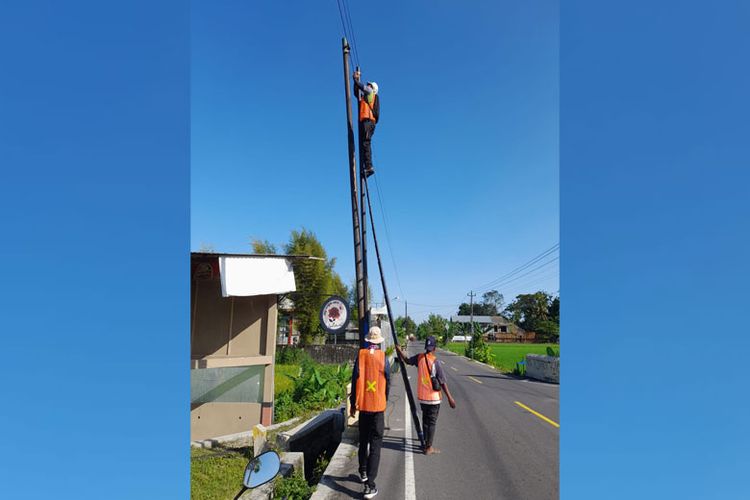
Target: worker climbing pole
<point x="359" y="222"/>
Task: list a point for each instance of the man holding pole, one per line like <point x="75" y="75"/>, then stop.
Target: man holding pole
<point x="431" y="380"/>
<point x="370" y="387"/>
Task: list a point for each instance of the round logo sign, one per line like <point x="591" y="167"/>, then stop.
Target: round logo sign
<point x="334" y="315"/>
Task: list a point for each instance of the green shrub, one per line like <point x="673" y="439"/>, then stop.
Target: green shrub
<point x="293" y="487"/>
<point x="290" y="355"/>
<point x="478" y="349"/>
<point x="285" y="407"/>
<point x="520" y="368"/>
<point x="320" y="467"/>
<point x="555" y="353"/>
<point x="316" y="387"/>
<point x="321" y="386"/>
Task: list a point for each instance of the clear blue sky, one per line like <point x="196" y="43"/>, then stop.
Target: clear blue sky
<point x="466" y="150"/>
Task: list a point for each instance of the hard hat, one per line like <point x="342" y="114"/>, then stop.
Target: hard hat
<point x="374" y="86"/>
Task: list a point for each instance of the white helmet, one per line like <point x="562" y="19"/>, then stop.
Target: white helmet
<point x="374" y="87"/>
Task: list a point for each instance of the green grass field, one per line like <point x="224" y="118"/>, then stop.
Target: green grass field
<point x="506" y="355"/>
<point x="216" y="474"/>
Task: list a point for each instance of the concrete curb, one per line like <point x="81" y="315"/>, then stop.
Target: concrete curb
<point x="239" y="439"/>
<point x="338" y="465"/>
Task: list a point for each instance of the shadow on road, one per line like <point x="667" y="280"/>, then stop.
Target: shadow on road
<point x="397" y="444"/>
<point x="340" y="483"/>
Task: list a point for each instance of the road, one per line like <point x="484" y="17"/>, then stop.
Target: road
<point x="491" y="446"/>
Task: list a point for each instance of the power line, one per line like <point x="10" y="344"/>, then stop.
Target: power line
<point x="518" y="269"/>
<point x="347" y="27"/>
<point x="527" y="273"/>
<point x="351" y="29"/>
<point x="388" y="236"/>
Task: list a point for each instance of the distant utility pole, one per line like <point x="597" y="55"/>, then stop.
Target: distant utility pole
<point x="471" y="310"/>
<point x="406" y="316"/>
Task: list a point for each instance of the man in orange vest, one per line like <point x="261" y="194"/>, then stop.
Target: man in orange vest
<point x="370" y="386"/>
<point x="429" y="369"/>
<point x="369" y="112"/>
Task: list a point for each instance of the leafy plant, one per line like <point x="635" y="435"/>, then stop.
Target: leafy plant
<point x="293" y="487"/>
<point x="320" y="467"/>
<point x="555" y="353"/>
<point x="520" y="368"/>
<point x="291" y="355"/>
<point x="478" y="349"/>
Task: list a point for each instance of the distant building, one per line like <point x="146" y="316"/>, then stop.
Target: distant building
<point x="233" y="308"/>
<point x="498" y="329"/>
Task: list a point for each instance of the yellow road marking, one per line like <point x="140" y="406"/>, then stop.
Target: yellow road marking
<point x="475" y="380"/>
<point x="538" y="414"/>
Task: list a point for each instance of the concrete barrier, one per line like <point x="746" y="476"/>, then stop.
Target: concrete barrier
<point x="545" y="368"/>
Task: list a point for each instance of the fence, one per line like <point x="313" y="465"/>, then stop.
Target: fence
<point x="328" y="353"/>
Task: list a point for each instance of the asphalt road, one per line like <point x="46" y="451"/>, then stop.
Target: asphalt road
<point x="491" y="447"/>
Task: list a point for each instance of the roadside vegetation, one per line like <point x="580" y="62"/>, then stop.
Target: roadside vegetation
<point x="216" y="474"/>
<point x="304" y="386"/>
<point x="505" y="356"/>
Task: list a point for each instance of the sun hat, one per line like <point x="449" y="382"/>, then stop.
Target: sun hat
<point x="374" y="337"/>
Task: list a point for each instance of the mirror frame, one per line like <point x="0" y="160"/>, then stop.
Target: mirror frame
<point x="256" y="458"/>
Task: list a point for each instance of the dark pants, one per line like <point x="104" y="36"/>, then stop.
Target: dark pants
<point x="366" y="131"/>
<point x="429" y="421"/>
<point x="371" y="427"/>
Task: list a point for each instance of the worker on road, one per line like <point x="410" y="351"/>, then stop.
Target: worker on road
<point x="370" y="386"/>
<point x="369" y="111"/>
<point x="431" y="380"/>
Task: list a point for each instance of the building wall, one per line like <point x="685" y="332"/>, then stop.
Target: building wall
<point x="230" y="332"/>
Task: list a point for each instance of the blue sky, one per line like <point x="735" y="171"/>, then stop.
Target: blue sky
<point x="466" y="151"/>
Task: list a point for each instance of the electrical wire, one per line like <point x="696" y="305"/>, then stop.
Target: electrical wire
<point x="518" y="269"/>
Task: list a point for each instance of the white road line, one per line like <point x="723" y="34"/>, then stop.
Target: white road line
<point x="409" y="482"/>
<point x="453" y="369"/>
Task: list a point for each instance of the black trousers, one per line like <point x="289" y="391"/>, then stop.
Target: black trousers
<point x="429" y="421"/>
<point x="366" y="131"/>
<point x="371" y="426"/>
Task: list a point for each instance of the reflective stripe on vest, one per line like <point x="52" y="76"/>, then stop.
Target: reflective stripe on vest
<point x="425" y="392"/>
<point x="371" y="381"/>
<point x="365" y="109"/>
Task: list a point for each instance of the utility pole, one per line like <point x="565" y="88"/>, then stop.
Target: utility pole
<point x="363" y="221"/>
<point x="406" y="317"/>
<point x="358" y="261"/>
<point x="471" y="310"/>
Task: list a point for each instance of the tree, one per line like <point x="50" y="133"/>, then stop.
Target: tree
<point x="491" y="304"/>
<point x="480" y="309"/>
<point x="495" y="299"/>
<point x="263" y="247"/>
<point x="316" y="281"/>
<point x="404" y="326"/>
<point x="538" y="312"/>
<point x="434" y="325"/>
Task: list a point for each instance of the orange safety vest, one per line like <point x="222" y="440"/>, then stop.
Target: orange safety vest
<point x="425" y="392"/>
<point x="371" y="381"/>
<point x="365" y="109"/>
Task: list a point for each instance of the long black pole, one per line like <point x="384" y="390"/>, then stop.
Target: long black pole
<point x="407" y="386"/>
<point x="360" y="290"/>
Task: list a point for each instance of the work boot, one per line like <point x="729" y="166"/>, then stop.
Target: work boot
<point x="363" y="477"/>
<point x="370" y="492"/>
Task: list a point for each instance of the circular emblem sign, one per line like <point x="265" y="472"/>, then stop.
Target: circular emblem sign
<point x="334" y="315"/>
